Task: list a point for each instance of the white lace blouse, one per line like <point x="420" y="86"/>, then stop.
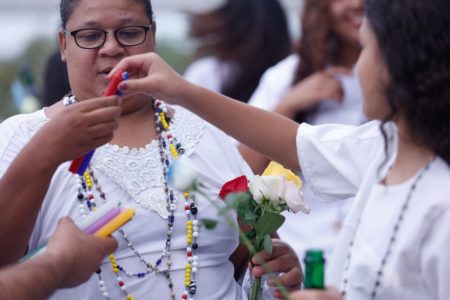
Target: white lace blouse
<point x="134" y="176"/>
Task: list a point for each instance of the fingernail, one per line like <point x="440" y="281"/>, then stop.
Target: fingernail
<point x="123" y="86"/>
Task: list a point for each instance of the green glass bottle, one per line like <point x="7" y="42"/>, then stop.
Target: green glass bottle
<point x="314" y="270"/>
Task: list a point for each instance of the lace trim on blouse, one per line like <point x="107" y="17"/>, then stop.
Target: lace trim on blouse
<point x="139" y="171"/>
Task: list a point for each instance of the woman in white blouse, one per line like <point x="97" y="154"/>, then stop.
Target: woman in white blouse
<point x="316" y="85"/>
<point x="395" y="239"/>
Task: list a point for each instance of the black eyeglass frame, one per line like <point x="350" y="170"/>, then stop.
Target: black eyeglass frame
<point x="105" y="33"/>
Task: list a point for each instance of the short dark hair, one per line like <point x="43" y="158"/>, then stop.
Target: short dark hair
<point x="66" y="8"/>
<point x="414" y="40"/>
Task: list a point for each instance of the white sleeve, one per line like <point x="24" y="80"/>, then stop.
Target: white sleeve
<point x="12" y="139"/>
<point x="435" y="261"/>
<point x="274" y="84"/>
<point x="335" y="158"/>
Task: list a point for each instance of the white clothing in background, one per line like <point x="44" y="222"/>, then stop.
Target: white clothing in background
<point x="321" y="227"/>
<point x="134" y="177"/>
<point x="209" y="72"/>
<point x="344" y="161"/>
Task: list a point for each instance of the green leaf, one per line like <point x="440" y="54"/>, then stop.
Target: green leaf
<point x="251" y="234"/>
<point x="269" y="223"/>
<point x="235" y="200"/>
<point x="249" y="217"/>
<point x="209" y="223"/>
<point x="267" y="244"/>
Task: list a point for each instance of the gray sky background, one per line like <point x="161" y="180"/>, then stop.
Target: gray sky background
<point x="23" y="20"/>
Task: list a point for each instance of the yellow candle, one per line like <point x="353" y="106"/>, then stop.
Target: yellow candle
<point x="115" y="223"/>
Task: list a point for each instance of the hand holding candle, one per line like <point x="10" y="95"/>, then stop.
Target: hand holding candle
<point x="102" y="223"/>
<point x="80" y="164"/>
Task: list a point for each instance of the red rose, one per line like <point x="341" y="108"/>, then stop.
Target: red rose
<point x="233" y="186"/>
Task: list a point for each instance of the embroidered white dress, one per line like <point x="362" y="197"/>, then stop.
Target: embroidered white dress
<point x="134" y="176"/>
<point x="321" y="227"/>
<point x="343" y="161"/>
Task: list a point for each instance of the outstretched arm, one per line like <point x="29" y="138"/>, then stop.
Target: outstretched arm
<point x="71" y="133"/>
<point x="266" y="132"/>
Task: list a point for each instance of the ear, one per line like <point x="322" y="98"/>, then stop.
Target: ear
<point x="62" y="45"/>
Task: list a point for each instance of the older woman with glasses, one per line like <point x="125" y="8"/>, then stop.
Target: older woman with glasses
<point x="163" y="252"/>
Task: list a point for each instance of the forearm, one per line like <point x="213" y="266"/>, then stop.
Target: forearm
<point x="35" y="279"/>
<point x="266" y="132"/>
<point x="255" y="160"/>
<point x="23" y="187"/>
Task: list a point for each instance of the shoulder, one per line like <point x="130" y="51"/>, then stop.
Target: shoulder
<point x="275" y="83"/>
<point x="285" y="68"/>
<point x="207" y="72"/>
<point x="337" y="132"/>
<point x="22" y="124"/>
<point x="15" y="132"/>
<point x="437" y="191"/>
<point x="204" y="63"/>
<point x="193" y="130"/>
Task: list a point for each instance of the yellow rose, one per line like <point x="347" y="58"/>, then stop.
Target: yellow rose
<point x="275" y="169"/>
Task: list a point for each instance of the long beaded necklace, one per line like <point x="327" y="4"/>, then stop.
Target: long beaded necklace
<point x="168" y="147"/>
<point x="401" y="217"/>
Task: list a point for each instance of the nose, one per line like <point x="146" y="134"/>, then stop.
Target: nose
<point x="111" y="47"/>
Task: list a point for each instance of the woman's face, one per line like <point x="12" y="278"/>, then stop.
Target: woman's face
<point x="373" y="75"/>
<point x="346" y="19"/>
<point x="87" y="68"/>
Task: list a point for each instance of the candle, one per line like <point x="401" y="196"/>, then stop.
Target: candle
<point x="94" y="227"/>
<point x="97" y="215"/>
<point x="115" y="223"/>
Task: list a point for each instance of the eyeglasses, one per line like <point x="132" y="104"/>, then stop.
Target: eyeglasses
<point x="93" y="38"/>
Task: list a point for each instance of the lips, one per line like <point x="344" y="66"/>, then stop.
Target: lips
<point x="105" y="71"/>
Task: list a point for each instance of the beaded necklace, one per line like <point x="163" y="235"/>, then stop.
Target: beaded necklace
<point x="170" y="149"/>
<point x="392" y="239"/>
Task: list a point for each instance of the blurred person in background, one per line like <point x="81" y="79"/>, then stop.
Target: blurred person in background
<point x="237" y="42"/>
<point x="56" y="80"/>
<point x="317" y="85"/>
<point x="24" y="91"/>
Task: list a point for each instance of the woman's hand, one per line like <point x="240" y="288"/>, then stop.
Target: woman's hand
<point x="75" y="254"/>
<point x="283" y="260"/>
<point x="78" y="128"/>
<point x="328" y="294"/>
<point x="310" y="91"/>
<point x="149" y="74"/>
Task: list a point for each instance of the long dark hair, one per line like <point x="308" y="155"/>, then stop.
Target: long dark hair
<point x="66" y="8"/>
<point x="414" y="40"/>
<point x="318" y="44"/>
<point x="253" y="34"/>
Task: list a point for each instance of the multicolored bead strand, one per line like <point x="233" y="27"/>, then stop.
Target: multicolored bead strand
<point x="88" y="187"/>
<point x="190" y="208"/>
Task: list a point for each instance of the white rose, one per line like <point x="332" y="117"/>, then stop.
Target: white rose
<point x="294" y="197"/>
<point x="265" y="187"/>
<point x="182" y="174"/>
